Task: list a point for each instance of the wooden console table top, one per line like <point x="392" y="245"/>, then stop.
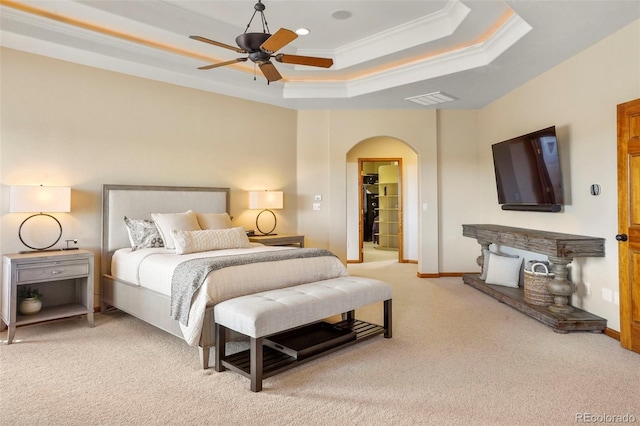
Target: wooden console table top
<point x="554" y="244"/>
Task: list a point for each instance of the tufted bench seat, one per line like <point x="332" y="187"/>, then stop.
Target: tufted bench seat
<point x="264" y="314"/>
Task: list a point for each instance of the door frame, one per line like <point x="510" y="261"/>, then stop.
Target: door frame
<point x="629" y="330"/>
<point x="361" y="161"/>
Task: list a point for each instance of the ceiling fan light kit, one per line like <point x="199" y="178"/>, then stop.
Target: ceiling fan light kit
<point x="261" y="47"/>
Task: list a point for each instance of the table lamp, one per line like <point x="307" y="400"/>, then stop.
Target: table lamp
<point x="40" y="199"/>
<point x="267" y="201"/>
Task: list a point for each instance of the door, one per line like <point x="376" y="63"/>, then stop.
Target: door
<point x="374" y="200"/>
<point x="629" y="222"/>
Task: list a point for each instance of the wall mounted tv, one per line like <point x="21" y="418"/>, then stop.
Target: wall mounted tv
<point x="528" y="175"/>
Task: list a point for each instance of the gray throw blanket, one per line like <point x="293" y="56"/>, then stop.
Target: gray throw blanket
<point x="189" y="275"/>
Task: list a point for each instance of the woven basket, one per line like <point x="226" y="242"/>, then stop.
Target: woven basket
<point x="535" y="286"/>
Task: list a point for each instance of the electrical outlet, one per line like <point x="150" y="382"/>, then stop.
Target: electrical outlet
<point x="587" y="289"/>
<point x="607" y="295"/>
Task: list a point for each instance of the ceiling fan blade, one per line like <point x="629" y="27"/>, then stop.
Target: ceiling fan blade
<point x="304" y="60"/>
<point x="277" y="41"/>
<point x="270" y="72"/>
<point x="217" y="43"/>
<point x="222" y="64"/>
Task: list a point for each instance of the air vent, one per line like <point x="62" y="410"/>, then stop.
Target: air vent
<point x="432" y="98"/>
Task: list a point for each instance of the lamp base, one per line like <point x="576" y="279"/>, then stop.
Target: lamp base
<point x="40" y="248"/>
<point x="275" y="222"/>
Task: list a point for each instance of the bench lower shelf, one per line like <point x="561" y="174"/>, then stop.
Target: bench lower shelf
<point x="577" y="320"/>
<point x="275" y="362"/>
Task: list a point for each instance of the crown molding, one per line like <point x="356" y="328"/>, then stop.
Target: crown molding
<point x="414" y="33"/>
<point x="447" y="63"/>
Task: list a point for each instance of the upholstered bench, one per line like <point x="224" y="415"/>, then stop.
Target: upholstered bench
<point x="263" y="315"/>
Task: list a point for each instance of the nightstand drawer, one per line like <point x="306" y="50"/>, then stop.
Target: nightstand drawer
<point x="58" y="271"/>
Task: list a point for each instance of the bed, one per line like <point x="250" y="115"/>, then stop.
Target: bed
<point x="141" y="279"/>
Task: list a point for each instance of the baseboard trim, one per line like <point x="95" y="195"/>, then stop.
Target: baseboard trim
<point x="612" y="333"/>
<point x="420" y="275"/>
<point x="444" y="274"/>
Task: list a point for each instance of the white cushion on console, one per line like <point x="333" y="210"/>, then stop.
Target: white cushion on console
<point x="270" y="312"/>
<point x="503" y="270"/>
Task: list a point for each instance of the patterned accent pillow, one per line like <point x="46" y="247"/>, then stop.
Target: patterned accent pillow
<point x="143" y="234"/>
<point x="210" y="239"/>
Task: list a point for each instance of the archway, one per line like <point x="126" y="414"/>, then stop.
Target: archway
<point x="403" y="235"/>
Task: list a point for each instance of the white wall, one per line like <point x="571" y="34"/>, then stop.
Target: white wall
<point x="579" y="97"/>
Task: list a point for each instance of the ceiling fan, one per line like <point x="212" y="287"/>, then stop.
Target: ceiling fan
<point x="261" y="47"/>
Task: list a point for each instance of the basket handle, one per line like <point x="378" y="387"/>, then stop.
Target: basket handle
<point x="533" y="268"/>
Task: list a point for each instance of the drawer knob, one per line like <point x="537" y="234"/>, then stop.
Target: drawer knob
<point x="54" y="272"/>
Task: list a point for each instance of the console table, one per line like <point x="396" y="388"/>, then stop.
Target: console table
<point x="561" y="249"/>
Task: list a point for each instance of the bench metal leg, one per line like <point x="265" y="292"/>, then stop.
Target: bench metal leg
<point x="387" y="319"/>
<point x="221" y="333"/>
<point x="256" y="364"/>
<point x="349" y="316"/>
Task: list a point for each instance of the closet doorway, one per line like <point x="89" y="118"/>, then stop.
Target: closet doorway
<point x="380" y="207"/>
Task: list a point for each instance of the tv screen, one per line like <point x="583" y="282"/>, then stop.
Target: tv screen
<point x="527" y="172"/>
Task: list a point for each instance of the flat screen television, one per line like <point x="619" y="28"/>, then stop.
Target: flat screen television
<point x="528" y="175"/>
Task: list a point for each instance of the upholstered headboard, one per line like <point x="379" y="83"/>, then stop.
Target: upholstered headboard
<point x="138" y="201"/>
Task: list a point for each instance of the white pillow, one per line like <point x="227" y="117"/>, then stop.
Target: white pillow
<point x="485" y="262"/>
<point x="210" y="239"/>
<point x="166" y="222"/>
<point x="214" y="220"/>
<point x="503" y="270"/>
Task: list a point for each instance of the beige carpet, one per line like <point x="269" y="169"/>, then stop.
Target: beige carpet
<point x="456" y="357"/>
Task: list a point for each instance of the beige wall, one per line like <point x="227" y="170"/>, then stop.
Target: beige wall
<point x="579" y="97"/>
<point x="330" y="135"/>
<point x="458" y="188"/>
<point x="67" y="124"/>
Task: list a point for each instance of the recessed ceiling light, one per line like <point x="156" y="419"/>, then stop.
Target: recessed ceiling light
<point x="341" y="14"/>
<point x="302" y="31"/>
<point x="431" y="98"/>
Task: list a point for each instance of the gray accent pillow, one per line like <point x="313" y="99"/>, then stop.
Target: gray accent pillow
<point x="143" y="234"/>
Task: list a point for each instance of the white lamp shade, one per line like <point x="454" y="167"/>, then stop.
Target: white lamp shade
<point x="265" y="199"/>
<point x="40" y="199"/>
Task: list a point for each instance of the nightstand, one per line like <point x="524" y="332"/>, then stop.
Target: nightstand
<point x="65" y="279"/>
<point x="278" y="240"/>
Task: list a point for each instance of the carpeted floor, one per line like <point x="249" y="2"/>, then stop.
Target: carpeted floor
<point x="456" y="357"/>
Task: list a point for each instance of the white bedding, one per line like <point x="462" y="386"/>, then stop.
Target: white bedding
<point x="153" y="268"/>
